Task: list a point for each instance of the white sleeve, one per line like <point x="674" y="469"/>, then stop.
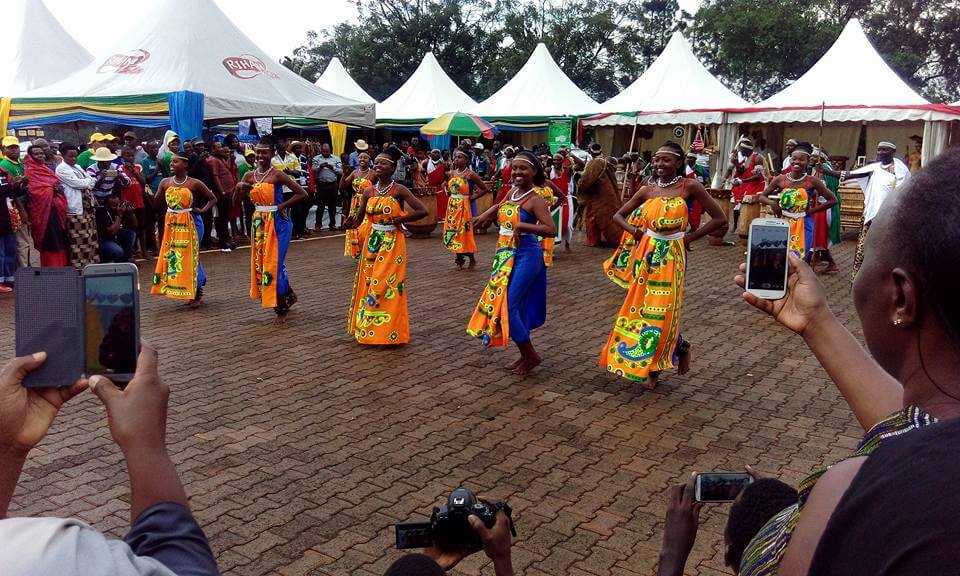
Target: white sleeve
<point x="67" y="176"/>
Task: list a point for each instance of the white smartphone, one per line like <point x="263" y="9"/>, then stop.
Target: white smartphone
<point x="720" y="486"/>
<point x="767" y="246"/>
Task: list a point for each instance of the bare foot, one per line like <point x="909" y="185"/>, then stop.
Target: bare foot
<point x="683" y="365"/>
<point x="652" y="380"/>
<point x="472" y="264"/>
<point x="513" y="365"/>
<point x="527" y="365"/>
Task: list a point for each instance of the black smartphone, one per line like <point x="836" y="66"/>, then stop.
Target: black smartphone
<point x="111" y="308"/>
<point x="720" y="486"/>
<point x="49" y="318"/>
<point x="413" y="535"/>
<point x="769" y="240"/>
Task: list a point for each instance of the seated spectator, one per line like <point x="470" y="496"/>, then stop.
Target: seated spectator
<point x="905" y="295"/>
<point x="117" y="238"/>
<point x="496" y="544"/>
<point x="756" y="505"/>
<point x="164" y="539"/>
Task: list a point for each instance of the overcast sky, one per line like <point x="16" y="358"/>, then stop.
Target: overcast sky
<point x="277" y="26"/>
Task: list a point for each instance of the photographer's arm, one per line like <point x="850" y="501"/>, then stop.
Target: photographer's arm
<point x="25" y="416"/>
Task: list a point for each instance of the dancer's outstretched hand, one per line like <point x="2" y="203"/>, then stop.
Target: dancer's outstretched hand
<point x="805" y="302"/>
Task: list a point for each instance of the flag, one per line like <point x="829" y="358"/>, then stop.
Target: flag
<point x="697" y="144"/>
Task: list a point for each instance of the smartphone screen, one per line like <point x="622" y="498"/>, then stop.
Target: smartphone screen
<point x="414" y="535"/>
<point x="110" y="324"/>
<point x="721" y="486"/>
<point x="768" y="257"/>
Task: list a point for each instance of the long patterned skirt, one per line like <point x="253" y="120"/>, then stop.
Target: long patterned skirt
<point x="378" y="312"/>
<point x="82" y="238"/>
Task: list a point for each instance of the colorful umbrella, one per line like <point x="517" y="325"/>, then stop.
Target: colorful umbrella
<point x="459" y="124"/>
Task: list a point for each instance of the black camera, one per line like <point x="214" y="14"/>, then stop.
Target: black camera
<point x="448" y="528"/>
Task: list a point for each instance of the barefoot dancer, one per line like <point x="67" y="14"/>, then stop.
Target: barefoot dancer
<point x="358" y="181"/>
<point x="458" y="224"/>
<point x="646" y="335"/>
<point x="271" y="230"/>
<point x="514" y="301"/>
<point x="378" y="311"/>
<point x="796" y="188"/>
<point x="179" y="274"/>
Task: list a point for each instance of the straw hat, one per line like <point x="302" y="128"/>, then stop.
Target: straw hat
<point x="103" y="155"/>
<point x="361" y="145"/>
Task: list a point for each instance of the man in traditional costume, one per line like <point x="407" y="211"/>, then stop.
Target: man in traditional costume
<point x="598" y="196"/>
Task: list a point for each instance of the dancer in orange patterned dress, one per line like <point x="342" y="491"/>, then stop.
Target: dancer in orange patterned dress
<point x="646" y="334"/>
<point x="271" y="231"/>
<point x="178" y="273"/>
<point x="378" y="310"/>
<point x="357" y="182"/>
<point x="458" y="223"/>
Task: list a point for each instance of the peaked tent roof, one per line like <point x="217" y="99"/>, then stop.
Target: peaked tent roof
<point x="428" y="93"/>
<point x="45" y="52"/>
<point x="675" y="89"/>
<point x="877" y="93"/>
<point x="539" y="90"/>
<point x="336" y="79"/>
<point x="191" y="45"/>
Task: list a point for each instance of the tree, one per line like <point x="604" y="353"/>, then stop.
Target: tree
<point x="759" y="46"/>
<point x="603" y="45"/>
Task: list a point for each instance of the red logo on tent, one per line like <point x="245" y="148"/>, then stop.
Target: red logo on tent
<point x="125" y="63"/>
<point x="246" y="66"/>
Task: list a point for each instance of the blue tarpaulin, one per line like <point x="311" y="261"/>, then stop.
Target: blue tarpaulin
<point x="186" y="114"/>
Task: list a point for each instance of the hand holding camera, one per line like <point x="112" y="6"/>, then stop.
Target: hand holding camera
<point x="464" y="525"/>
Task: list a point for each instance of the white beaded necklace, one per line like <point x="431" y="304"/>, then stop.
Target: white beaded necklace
<point x="261" y="176"/>
<point x="516" y="199"/>
<point x="663" y="184"/>
<point x="800" y="179"/>
<point x="181" y="183"/>
<point x="383" y="191"/>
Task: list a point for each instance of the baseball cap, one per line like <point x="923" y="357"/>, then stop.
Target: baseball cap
<point x="10" y="141"/>
<point x="478" y="146"/>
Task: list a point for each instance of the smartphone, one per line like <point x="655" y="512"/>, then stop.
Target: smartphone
<point x="413" y="535"/>
<point x="49" y="318"/>
<point x="111" y="172"/>
<point x="720" y="486"/>
<point x="111" y="308"/>
<point x="767" y="246"/>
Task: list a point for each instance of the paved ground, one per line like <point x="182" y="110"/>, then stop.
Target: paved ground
<point x="300" y="449"/>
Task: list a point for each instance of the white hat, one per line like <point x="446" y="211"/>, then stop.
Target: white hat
<point x="885" y="144"/>
<point x="361" y="145"/>
<point x="103" y="155"/>
<point x="478" y="146"/>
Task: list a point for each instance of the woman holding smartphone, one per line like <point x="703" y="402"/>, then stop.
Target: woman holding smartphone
<point x="646" y="333"/>
<point x="179" y="274"/>
<point x="514" y="301"/>
<point x="796" y="188"/>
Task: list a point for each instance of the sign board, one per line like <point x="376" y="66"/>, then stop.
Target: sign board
<point x="558" y="134"/>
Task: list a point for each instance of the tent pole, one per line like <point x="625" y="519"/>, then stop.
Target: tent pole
<point x="626" y="174"/>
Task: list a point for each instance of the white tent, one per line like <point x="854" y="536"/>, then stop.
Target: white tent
<point x="190" y="45"/>
<point x="44" y="51"/>
<point x="428" y="93"/>
<point x="539" y="90"/>
<point x="851" y="82"/>
<point x="336" y="79"/>
<point x="675" y="89"/>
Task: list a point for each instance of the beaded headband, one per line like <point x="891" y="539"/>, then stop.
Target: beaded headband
<point x="387" y="157"/>
<point x="523" y="159"/>
<point x="669" y="151"/>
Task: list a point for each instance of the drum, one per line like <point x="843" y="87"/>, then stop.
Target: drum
<point x="749" y="211"/>
<point x="425" y="226"/>
<point x="723" y="199"/>
<point x="851" y="207"/>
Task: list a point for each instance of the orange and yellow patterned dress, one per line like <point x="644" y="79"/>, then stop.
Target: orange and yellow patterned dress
<point x="354" y="236"/>
<point x="793" y="207"/>
<point x="178" y="273"/>
<point x="457" y="227"/>
<point x="378" y="312"/>
<point x="269" y="240"/>
<point x="490" y="321"/>
<point x="647" y="328"/>
<point x="621" y="266"/>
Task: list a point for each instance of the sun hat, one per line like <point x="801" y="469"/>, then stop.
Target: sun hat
<point x="361" y="145"/>
<point x="103" y="154"/>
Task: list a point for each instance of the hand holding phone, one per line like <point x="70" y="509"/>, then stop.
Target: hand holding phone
<point x="111" y="172"/>
<point x="768" y="244"/>
<point x="720" y="486"/>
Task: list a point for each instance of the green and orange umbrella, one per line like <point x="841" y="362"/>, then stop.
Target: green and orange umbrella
<point x="459" y="124"/>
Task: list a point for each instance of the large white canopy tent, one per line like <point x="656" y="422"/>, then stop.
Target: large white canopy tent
<point x="851" y="86"/>
<point x="428" y="93"/>
<point x="675" y="90"/>
<point x="188" y="48"/>
<point x="537" y="92"/>
<point x="43" y="51"/>
<point x="336" y="79"/>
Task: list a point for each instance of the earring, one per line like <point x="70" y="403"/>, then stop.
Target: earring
<point x="897" y="321"/>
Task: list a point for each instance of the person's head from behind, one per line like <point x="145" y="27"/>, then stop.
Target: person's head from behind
<point x="595" y="149"/>
<point x="757" y="503"/>
<point x="415" y="565"/>
<point x="906" y="290"/>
